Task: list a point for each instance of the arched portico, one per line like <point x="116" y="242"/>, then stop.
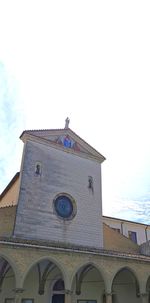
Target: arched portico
<point x="88" y="283"/>
<point x="40" y="278"/>
<point x="125" y="286"/>
<point x="7" y="279"/>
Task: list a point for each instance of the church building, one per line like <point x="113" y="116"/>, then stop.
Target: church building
<point x="55" y="244"/>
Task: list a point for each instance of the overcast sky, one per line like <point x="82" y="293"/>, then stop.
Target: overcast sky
<point x="90" y="61"/>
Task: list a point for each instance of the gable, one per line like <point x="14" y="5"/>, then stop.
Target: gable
<point x="65" y="139"/>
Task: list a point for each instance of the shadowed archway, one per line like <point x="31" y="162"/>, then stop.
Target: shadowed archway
<point x="88" y="283"/>
<point x="7" y="280"/>
<point x="125" y="287"/>
<point x="40" y="280"/>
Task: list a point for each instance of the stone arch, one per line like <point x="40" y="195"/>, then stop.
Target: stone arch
<point x="124" y="281"/>
<point x="14" y="268"/>
<point x="83" y="264"/>
<point x="51" y="259"/>
<point x="8" y="277"/>
<point x="91" y="274"/>
<point x="57" y="278"/>
<point x="43" y="271"/>
<point x="130" y="270"/>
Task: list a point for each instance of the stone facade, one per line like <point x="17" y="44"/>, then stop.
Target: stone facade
<point x="61" y="172"/>
<point x="45" y="258"/>
<point x="104" y="267"/>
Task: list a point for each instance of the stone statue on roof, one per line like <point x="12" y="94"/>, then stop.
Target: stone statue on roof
<point x="67" y="122"/>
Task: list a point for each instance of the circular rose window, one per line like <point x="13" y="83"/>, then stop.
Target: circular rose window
<point x="64" y="206"/>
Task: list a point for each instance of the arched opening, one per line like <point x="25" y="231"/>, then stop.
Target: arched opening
<point x="58" y="292"/>
<point x="42" y="284"/>
<point x="7" y="280"/>
<point x="88" y="284"/>
<point x="125" y="287"/>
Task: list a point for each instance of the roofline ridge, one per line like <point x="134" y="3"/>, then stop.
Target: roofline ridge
<point x="65" y="129"/>
<point x="41" y="130"/>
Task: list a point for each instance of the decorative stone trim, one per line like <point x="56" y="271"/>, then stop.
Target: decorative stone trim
<point x="18" y="290"/>
<point x="68" y="292"/>
<point x="143" y="295"/>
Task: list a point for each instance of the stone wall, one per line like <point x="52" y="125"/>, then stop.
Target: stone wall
<point x="61" y="172"/>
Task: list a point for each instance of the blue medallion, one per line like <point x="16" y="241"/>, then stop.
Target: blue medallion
<point x="63" y="206"/>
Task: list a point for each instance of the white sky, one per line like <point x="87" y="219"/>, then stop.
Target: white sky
<point x="89" y="60"/>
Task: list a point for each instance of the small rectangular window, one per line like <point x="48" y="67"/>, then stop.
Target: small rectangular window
<point x="132" y="236"/>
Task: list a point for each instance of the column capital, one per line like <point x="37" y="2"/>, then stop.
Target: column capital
<point x="18" y="290"/>
<point x="18" y="294"/>
<point x="144" y="294"/>
<point x="68" y="296"/>
<point x="68" y="292"/>
<point x="109" y="293"/>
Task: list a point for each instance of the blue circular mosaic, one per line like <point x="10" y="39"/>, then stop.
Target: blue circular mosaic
<point x="64" y="206"/>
